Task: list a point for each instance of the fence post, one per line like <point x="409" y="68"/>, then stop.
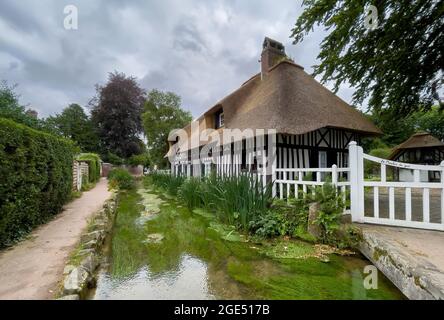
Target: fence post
<point x="334" y="175"/>
<point x="273" y="157"/>
<point x="356" y="163"/>
<point x="442" y="193"/>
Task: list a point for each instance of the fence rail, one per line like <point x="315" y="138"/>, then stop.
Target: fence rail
<point x="293" y="181"/>
<point x="398" y="192"/>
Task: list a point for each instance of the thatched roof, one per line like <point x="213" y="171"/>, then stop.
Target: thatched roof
<point x="416" y="141"/>
<point x="290" y="101"/>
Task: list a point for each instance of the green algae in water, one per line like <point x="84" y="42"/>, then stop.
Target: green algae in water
<point x="194" y="245"/>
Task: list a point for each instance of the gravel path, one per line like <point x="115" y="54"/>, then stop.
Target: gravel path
<point x="33" y="268"/>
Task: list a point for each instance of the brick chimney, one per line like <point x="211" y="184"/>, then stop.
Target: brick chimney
<point x="272" y="52"/>
<point x="32" y="113"/>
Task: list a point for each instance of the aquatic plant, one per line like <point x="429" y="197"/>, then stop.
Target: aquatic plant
<point x="169" y="183"/>
<point x="189" y="193"/>
<point x="236" y="200"/>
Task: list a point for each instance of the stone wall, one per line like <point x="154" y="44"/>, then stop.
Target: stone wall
<point x="415" y="277"/>
<point x="80" y="272"/>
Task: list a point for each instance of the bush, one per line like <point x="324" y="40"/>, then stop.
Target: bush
<point x="139" y="159"/>
<point x="121" y="179"/>
<point x="93" y="161"/>
<point x="372" y="168"/>
<point x="112" y="158"/>
<point x="35" y="178"/>
<point x="330" y="212"/>
<point x="282" y="219"/>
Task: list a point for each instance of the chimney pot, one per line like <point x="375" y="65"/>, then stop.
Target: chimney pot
<point x="272" y="52"/>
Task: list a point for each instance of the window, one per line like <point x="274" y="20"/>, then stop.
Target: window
<point x="219" y="119"/>
<point x="322" y="159"/>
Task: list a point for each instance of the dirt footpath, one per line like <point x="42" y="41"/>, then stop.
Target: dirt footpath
<point x="33" y="268"/>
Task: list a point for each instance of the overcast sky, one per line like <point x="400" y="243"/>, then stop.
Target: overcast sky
<point x="199" y="49"/>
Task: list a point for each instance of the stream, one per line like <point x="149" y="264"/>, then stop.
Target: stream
<point x="161" y="250"/>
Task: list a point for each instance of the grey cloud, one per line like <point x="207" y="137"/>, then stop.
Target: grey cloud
<point x="202" y="50"/>
<point x="187" y="37"/>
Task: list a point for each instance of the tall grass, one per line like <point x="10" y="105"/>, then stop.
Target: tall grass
<point x="169" y="183"/>
<point x="235" y="200"/>
<point x="189" y="193"/>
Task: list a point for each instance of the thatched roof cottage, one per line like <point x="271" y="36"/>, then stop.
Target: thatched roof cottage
<point x="313" y="126"/>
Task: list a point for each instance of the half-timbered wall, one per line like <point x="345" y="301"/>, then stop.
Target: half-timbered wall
<point x="432" y="156"/>
<point x="303" y="151"/>
<point x="292" y="151"/>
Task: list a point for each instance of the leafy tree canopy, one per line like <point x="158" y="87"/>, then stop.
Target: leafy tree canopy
<point x="11" y="109"/>
<point x="73" y="123"/>
<point x="116" y="112"/>
<point x="431" y="121"/>
<point x="398" y="65"/>
<point x="162" y="113"/>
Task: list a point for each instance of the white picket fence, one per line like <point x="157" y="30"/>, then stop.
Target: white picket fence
<point x="292" y="182"/>
<point x="359" y="185"/>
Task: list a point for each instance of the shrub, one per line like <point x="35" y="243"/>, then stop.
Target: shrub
<point x="330" y="212"/>
<point x="93" y="161"/>
<point x="121" y="179"/>
<point x="283" y="218"/>
<point x="372" y="168"/>
<point x="139" y="159"/>
<point x="35" y="178"/>
<point x="112" y="158"/>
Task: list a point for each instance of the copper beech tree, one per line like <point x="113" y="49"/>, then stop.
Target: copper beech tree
<point x="116" y="112"/>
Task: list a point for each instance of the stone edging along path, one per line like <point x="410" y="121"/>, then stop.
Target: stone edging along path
<point x="32" y="268"/>
<point x="80" y="271"/>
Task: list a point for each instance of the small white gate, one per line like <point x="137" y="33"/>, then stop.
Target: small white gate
<point x="405" y="203"/>
<point x="398" y="192"/>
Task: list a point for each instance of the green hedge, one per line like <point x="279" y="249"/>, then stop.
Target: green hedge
<point x="35" y="178"/>
<point x="93" y="161"/>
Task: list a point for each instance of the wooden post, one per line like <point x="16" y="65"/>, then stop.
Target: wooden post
<point x="442" y="193"/>
<point x="356" y="181"/>
<point x="273" y="157"/>
<point x="334" y="175"/>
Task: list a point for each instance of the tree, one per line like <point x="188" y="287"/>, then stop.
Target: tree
<point x="11" y="109"/>
<point x="116" y="112"/>
<point x="398" y="65"/>
<point x="73" y="123"/>
<point x="432" y="122"/>
<point x="162" y="113"/>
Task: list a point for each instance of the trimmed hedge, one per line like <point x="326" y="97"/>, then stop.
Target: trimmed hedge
<point x="93" y="161"/>
<point x="35" y="178"/>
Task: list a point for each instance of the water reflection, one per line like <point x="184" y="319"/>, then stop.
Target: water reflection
<point x="181" y="255"/>
<point x="189" y="281"/>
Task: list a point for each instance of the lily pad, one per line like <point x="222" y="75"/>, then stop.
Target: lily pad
<point x="228" y="233"/>
<point x="154" y="238"/>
